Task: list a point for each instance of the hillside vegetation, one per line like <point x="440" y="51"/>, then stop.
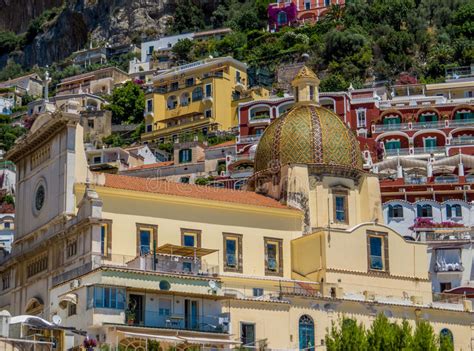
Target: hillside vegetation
<point x="365" y="41"/>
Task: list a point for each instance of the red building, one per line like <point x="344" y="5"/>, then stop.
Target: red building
<point x="294" y="12"/>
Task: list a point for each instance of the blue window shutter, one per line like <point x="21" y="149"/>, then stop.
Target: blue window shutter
<point x="449" y="212"/>
<point x="418" y="210"/>
<point x="390" y="211"/>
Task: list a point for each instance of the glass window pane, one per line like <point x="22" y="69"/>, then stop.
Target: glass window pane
<point x="120" y="299"/>
<point x="113" y="298"/>
<point x="231" y="250"/>
<point x="144" y="241"/>
<point x="102" y="239"/>
<point x="376" y="261"/>
<point x="189" y="240"/>
<point x="107" y="297"/>
<point x="98" y="296"/>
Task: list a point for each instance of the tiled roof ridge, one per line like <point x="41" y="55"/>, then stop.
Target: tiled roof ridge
<point x="157" y="186"/>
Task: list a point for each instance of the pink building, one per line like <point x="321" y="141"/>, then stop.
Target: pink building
<point x="293" y="12"/>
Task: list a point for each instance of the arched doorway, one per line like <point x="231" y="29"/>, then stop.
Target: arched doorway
<point x="306" y="333"/>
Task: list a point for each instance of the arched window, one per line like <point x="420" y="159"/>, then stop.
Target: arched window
<point x="453" y="211"/>
<point x="446" y="334"/>
<point x="282" y="18"/>
<point x="306" y="332"/>
<point x="185" y="99"/>
<point x="395" y="211"/>
<point x="197" y="94"/>
<point x="172" y="102"/>
<point x="424" y="211"/>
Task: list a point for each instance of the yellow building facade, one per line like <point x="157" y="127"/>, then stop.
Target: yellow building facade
<point x="199" y="97"/>
<point x="133" y="260"/>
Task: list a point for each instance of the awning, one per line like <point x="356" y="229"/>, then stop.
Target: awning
<point x="416" y="171"/>
<point x="392" y="163"/>
<point x="467" y="160"/>
<point x="188" y="251"/>
<point x="68" y="298"/>
<point x="182" y="339"/>
<point x="167" y="338"/>
<point x="443" y="170"/>
<point x="207" y="341"/>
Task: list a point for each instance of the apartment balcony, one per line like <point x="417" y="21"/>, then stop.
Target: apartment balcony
<point x="249" y="157"/>
<point x="207" y="323"/>
<point x="168" y="258"/>
<point x="196" y="107"/>
<point x="259" y="120"/>
<point x="436" y="150"/>
<point x="179" y="128"/>
<point x="448" y="298"/>
<point x="248" y="139"/>
<point x="382" y="128"/>
<point x="444" y="234"/>
<point x="448" y="179"/>
<point x="453" y="267"/>
<point x="397" y="152"/>
<point x="462" y="141"/>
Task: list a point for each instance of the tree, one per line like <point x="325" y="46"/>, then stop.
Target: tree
<point x="424" y="338"/>
<point x="8" y="42"/>
<point x="183" y="49"/>
<point x="384" y="335"/>
<point x="346" y="335"/>
<point x="11" y="70"/>
<point x="127" y="104"/>
<point x="187" y="17"/>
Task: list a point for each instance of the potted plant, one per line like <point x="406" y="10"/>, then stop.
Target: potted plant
<point x="130" y="317"/>
<point x="89" y="344"/>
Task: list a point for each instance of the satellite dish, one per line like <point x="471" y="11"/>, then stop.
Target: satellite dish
<point x="57" y="320"/>
<point x="212" y="284"/>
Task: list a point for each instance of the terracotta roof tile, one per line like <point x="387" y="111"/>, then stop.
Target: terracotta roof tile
<point x="154" y="185"/>
<point x="152" y="165"/>
<point x="224" y="144"/>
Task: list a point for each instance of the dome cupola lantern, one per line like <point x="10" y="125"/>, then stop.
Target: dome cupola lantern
<point x="306" y="86"/>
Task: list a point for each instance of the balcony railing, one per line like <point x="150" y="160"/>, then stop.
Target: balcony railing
<point x="415" y="180"/>
<point x="429" y="150"/>
<point x="161" y="263"/>
<point x="164" y="319"/>
<point x="448" y="267"/>
<point x="444" y="234"/>
<point x="259" y="119"/>
<point x="470" y="178"/>
<point x="396" y="152"/>
<point x="446" y="179"/>
<point x="462" y="141"/>
<point x="448" y="298"/>
<point x="248" y="139"/>
<point x="380" y="128"/>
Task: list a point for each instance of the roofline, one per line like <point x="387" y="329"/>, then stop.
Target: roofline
<point x="206" y="63"/>
<point x="178" y="199"/>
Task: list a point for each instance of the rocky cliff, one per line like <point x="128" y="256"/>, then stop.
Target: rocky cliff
<point x="81" y="21"/>
<point x="17" y="14"/>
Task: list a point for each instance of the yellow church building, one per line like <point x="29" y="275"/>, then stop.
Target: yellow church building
<point x="133" y="261"/>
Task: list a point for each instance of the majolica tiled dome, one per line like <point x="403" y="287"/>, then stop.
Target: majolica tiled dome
<point x="308" y="134"/>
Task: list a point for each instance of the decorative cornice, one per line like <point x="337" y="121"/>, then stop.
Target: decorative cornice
<point x="377" y="275"/>
<point x="31" y="141"/>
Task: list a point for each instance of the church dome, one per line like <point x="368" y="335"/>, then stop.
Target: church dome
<point x="308" y="134"/>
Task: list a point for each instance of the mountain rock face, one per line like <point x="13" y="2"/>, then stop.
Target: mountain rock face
<point x="17" y="14"/>
<point x="100" y="21"/>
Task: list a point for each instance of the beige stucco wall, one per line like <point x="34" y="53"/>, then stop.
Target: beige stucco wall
<point x="171" y="214"/>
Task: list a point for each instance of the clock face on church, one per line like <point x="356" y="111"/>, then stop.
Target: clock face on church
<point x="39" y="197"/>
